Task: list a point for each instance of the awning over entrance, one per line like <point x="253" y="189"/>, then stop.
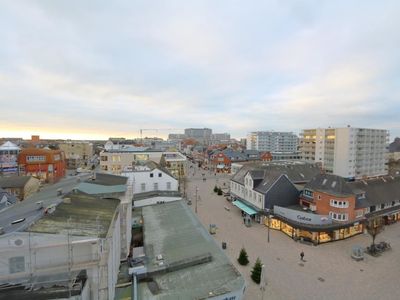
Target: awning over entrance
<point x="248" y="210"/>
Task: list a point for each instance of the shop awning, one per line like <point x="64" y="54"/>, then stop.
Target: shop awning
<point x="248" y="210"/>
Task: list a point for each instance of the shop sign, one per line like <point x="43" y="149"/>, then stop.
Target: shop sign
<point x="302" y="217"/>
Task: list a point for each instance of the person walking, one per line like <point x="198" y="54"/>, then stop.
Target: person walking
<point x="302" y="256"/>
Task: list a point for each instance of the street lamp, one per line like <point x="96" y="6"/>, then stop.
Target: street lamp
<point x="269" y="223"/>
<point x="195" y="207"/>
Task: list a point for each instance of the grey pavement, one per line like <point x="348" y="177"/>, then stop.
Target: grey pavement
<point x="328" y="271"/>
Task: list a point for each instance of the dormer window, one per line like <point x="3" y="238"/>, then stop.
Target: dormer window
<point x="308" y="193"/>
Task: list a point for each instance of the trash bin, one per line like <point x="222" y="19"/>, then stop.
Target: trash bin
<point x="223" y="245"/>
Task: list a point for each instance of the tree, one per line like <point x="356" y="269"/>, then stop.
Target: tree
<point x="256" y="272"/>
<point x="215" y="189"/>
<point x="243" y="258"/>
<point x="374" y="227"/>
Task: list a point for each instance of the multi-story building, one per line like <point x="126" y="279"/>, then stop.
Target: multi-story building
<point x="175" y="163"/>
<point x="9" y="159"/>
<point x="202" y="135"/>
<point x="77" y="153"/>
<point x="272" y="141"/>
<point x="348" y="152"/>
<point x="46" y="164"/>
<point x="79" y="239"/>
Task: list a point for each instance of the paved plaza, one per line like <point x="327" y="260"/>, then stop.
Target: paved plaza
<point x="328" y="271"/>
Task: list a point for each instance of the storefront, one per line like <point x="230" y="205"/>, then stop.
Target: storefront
<point x="309" y="227"/>
<point x="248" y="211"/>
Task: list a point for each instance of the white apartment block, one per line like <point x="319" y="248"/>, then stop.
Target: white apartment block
<point x="272" y="141"/>
<point x="348" y="152"/>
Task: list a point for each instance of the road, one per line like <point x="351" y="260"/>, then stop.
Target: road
<point x="28" y="208"/>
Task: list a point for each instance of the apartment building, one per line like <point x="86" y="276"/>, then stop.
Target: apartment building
<point x="272" y="141"/>
<point x="202" y="135"/>
<point x="349" y="152"/>
<point x="76" y="153"/>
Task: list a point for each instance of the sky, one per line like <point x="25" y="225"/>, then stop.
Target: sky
<point x="95" y="69"/>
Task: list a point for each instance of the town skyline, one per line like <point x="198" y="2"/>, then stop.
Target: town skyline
<point x="97" y="70"/>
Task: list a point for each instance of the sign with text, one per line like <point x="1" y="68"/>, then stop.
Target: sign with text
<point x="302" y="217"/>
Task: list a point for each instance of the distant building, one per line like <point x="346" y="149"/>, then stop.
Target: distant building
<point x="349" y="152"/>
<point x="9" y="159"/>
<point x="202" y="135"/>
<point x="220" y="138"/>
<point x="77" y="153"/>
<point x="6" y="199"/>
<point x="272" y="141"/>
<point x="20" y="186"/>
<point x="46" y="164"/>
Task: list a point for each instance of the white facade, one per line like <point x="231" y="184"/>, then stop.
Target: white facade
<point x="115" y="162"/>
<point x="247" y="193"/>
<point x="347" y="152"/>
<point x="272" y="141"/>
<point x="148" y="180"/>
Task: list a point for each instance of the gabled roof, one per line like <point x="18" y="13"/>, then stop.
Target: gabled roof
<point x="331" y="184"/>
<point x="268" y="182"/>
<point x="9" y="146"/>
<point x="297" y="172"/>
<point x="14" y="181"/>
<point x="378" y="190"/>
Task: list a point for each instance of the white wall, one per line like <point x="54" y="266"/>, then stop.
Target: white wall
<point x="140" y="177"/>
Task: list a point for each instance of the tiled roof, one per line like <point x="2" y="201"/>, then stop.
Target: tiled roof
<point x="331" y="184"/>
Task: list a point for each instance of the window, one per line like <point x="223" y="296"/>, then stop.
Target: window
<point x="359" y="213"/>
<point x="17" y="264"/>
<point x="383" y="206"/>
<point x="159" y="174"/>
<point x="143" y="187"/>
<point x="151" y="175"/>
<point x="339" y="204"/>
<point x="156" y="186"/>
<point x="168" y="185"/>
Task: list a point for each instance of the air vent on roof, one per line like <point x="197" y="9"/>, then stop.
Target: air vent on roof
<point x="302" y="175"/>
<point x="324" y="181"/>
<point x="364" y="182"/>
<point x="383" y="179"/>
<point x="333" y="184"/>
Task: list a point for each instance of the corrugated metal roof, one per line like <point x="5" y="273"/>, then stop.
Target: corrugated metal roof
<point x="172" y="230"/>
<point x="96" y="189"/>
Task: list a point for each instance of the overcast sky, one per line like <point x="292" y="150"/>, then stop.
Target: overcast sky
<point x="94" y="69"/>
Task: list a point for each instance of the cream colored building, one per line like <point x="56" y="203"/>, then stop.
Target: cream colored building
<point x="348" y="152"/>
<point x="76" y="153"/>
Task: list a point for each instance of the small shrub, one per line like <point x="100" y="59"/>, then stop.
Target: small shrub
<point x="243" y="258"/>
<point x="219" y="192"/>
<point x="256" y="272"/>
<point x="215" y="189"/>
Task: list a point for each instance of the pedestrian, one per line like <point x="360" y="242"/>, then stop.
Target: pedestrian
<point x="302" y="256"/>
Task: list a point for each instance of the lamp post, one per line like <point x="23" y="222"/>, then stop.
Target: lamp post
<point x="269" y="223"/>
<point x="195" y="206"/>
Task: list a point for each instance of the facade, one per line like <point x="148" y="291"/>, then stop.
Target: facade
<point x="9" y="159"/>
<point x="115" y="159"/>
<point x="202" y="135"/>
<point x="257" y="187"/>
<point x="349" y="152"/>
<point x="175" y="163"/>
<point x="272" y="141"/>
<point x="77" y="153"/>
<point x="20" y="186"/>
<point x="81" y="235"/>
<point x="332" y="208"/>
<point x="45" y="164"/>
<point x="151" y="177"/>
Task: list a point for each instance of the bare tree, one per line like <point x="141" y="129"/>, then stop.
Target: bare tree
<point x="375" y="225"/>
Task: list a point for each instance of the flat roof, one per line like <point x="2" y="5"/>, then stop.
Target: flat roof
<point x="80" y="215"/>
<point x="197" y="267"/>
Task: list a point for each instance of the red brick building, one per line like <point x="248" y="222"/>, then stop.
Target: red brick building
<point x="46" y="164"/>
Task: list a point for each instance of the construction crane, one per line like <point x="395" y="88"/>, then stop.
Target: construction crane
<point x="155" y="129"/>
